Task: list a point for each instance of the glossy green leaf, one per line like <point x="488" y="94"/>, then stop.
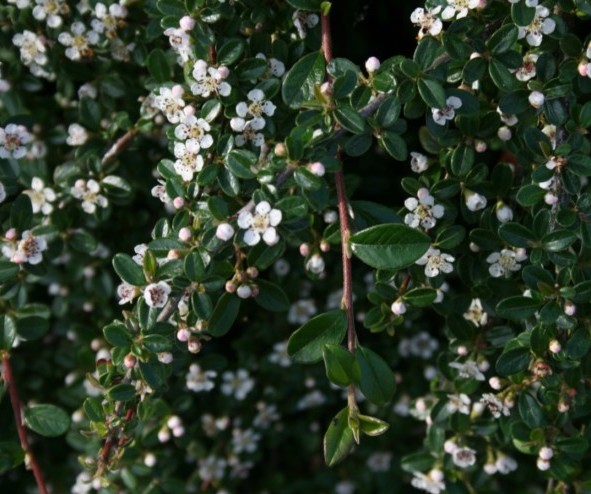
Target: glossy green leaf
<point x="530" y="411"/>
<point x="311" y="5"/>
<point x="390" y="246"/>
<point x="306" y="344"/>
<point x="8" y="271"/>
<point x="306" y="73"/>
<point x="94" y="409"/>
<point x="117" y="334"/>
<point x="502" y="39"/>
<point x="517" y="235"/>
<point x="7" y="332"/>
<point x="194" y="266"/>
<point x="158" y="66"/>
<point x="239" y="162"/>
<point x="558" y="240"/>
<point x="11" y="455"/>
<point x="230" y="51"/>
<point x="420" y="297"/>
<point x="432" y="93"/>
<point x="517" y="308"/>
<point x="121" y="392"/>
<point x="349" y="119"/>
<point x="32" y="328"/>
<point x="341" y="367"/>
<point x="372" y="426"/>
<point x="128" y="270"/>
<point x="338" y="439"/>
<point x="271" y="296"/>
<point x="462" y="160"/>
<point x="21" y="213"/>
<point x="224" y="314"/>
<point x="47" y="420"/>
<point x="513" y="361"/>
<point x="377" y="381"/>
<point x="394" y="145"/>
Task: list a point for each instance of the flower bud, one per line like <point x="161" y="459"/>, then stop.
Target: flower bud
<point x="563" y="406"/>
<point x="230" y="286"/>
<point x="194" y="345"/>
<point x="326" y="89"/>
<point x="244" y="291"/>
<point x="398" y="307"/>
<point x="324" y="246"/>
<point x="495" y="383"/>
<point x="280" y="150"/>
<point x="317" y="169"/>
<point x="480" y="146"/>
<point x="252" y="272"/>
<point x="304" y="250"/>
<point x="546" y="453"/>
<point x="504" y="133"/>
<point x="185" y="234"/>
<point x="129" y="361"/>
<point x="570" y="308"/>
<point x="224" y="231"/>
<point x="554" y="346"/>
<point x="178" y="202"/>
<point x="583" y="69"/>
<point x="536" y="99"/>
<point x="550" y="198"/>
<point x="187" y="23"/>
<point x="183" y="334"/>
<point x="474" y="200"/>
<point x="372" y="64"/>
<point x="504" y="212"/>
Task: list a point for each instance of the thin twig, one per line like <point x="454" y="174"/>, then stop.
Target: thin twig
<point x="30" y="459"/>
<point x="119" y="145"/>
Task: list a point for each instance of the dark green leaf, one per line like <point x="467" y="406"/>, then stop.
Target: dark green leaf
<point x="517" y="235"/>
<point x="341" y="367"/>
<point x="432" y="93"/>
<point x="158" y="66"/>
<point x="394" y="145"/>
<point x="558" y="240"/>
<point x="420" y="297"/>
<point x="7" y="332"/>
<point x="338" y="439"/>
<point x="299" y="83"/>
<point x="121" y="392"/>
<point x="47" y="420"/>
<point x="513" y="361"/>
<point x="128" y="270"/>
<point x="530" y="411"/>
<point x="349" y="119"/>
<point x="307" y="343"/>
<point x="372" y="426"/>
<point x="21" y="213"/>
<point x="517" y="308"/>
<point x="239" y="162"/>
<point x="503" y="39"/>
<point x="93" y="409"/>
<point x="224" y="315"/>
<point x="8" y="271"/>
<point x="389" y="246"/>
<point x="311" y="5"/>
<point x="271" y="296"/>
<point x="117" y="334"/>
<point x="377" y="381"/>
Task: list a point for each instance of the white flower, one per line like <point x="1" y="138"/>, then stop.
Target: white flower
<point x="536" y="99"/>
<point x="507" y="118"/>
<point x="77" y="135"/>
<point x="261" y="224"/>
<point x="424" y="210"/>
<point x="244" y="441"/>
<point x="188" y="161"/>
<point x="468" y="370"/>
<point x="32" y="48"/>
<point x="279" y="355"/>
<point x="194" y="128"/>
<point x="432" y="483"/>
<point x="304" y="21"/>
<point x="248" y="131"/>
<point x="458" y="8"/>
<point x="13" y="141"/>
<point x="276" y="67"/>
<point x="540" y="25"/>
<point x="421" y="345"/>
<point x="418" y="162"/>
<point x="301" y="311"/>
<point x="310" y="400"/>
<point x="209" y="80"/>
<point x="198" y="380"/>
<point x="224" y="231"/>
<point x="257" y="107"/>
<point x="542" y="464"/>
<point x="496" y="406"/>
<point x="474" y="201"/>
<point x="29" y="249"/>
<point x="426" y="20"/>
<point x="464" y="457"/>
<point x="126" y="293"/>
<point x="458" y="403"/>
<point x="21" y="4"/>
<point x="238" y="384"/>
<point x="528" y="70"/>
<point x="505" y="464"/>
<point x="78" y="41"/>
<point x="89" y="193"/>
<point x="344" y="487"/>
<point x="156" y="294"/>
<point x="435" y="262"/>
<point x="140" y="251"/>
<point x="398" y="307"/>
<point x="546" y="453"/>
<point x="379" y="461"/>
<point x="41" y="196"/>
<point x="51" y="11"/>
<point x="211" y="469"/>
<point x="476" y="314"/>
<point x="315" y="264"/>
<point x="181" y="42"/>
<point x="121" y="51"/>
<point x="108" y="19"/>
<point x="504" y="262"/>
<point x="87" y="90"/>
<point x="448" y="112"/>
<point x="170" y="102"/>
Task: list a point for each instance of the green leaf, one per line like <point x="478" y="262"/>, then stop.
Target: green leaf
<point x="128" y="270"/>
<point x="338" y="439"/>
<point x="349" y="119"/>
<point x="21" y="213"/>
<point x="8" y="271"/>
<point x="306" y="344"/>
<point x="517" y="308"/>
<point x="558" y="240"/>
<point x="501" y="75"/>
<point x="121" y="392"/>
<point x="271" y="296"/>
<point x="157" y="343"/>
<point x="230" y="51"/>
<point x="530" y="195"/>
<point x="389" y="246"/>
<point x="420" y="297"/>
<point x="90" y="114"/>
<point x="239" y="162"/>
<point x="372" y="426"/>
<point x="158" y="66"/>
<point x="7" y="332"/>
<point x="194" y="266"/>
<point x="173" y="8"/>
<point x="341" y="367"/>
<point x="578" y="344"/>
<point x="93" y="409"/>
<point x="117" y="334"/>
<point x="224" y="314"/>
<point x="521" y="14"/>
<point x="47" y="420"/>
<point x="394" y="145"/>
<point x="82" y="241"/>
<point x="462" y="160"/>
<point x="502" y="39"/>
<point x="31" y="328"/>
<point x="530" y="411"/>
<point x="432" y="93"/>
<point x="299" y="82"/>
<point x="377" y="381"/>
<point x="389" y="111"/>
<point x="11" y="455"/>
<point x="517" y="235"/>
<point x="513" y="361"/>
<point x="579" y="164"/>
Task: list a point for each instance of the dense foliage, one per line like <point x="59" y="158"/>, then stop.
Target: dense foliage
<point x="235" y="262"/>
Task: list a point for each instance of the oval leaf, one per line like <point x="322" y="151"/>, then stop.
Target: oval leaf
<point x="224" y="315"/>
<point x="338" y="439"/>
<point x="47" y="420"/>
<point x="377" y="381"/>
<point x="299" y="83"/>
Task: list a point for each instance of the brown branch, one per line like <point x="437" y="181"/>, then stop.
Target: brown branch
<point x="119" y="145"/>
<point x="30" y="460"/>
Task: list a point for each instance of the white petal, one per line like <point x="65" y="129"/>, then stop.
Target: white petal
<point x="275" y="217"/>
<point x="263" y="208"/>
<point x="251" y="237"/>
<point x="245" y="219"/>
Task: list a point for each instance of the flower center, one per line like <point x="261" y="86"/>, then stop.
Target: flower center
<point x="260" y="223"/>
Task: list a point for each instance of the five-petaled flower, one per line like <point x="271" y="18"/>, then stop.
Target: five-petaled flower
<point x="156" y="294"/>
<point x="13" y="141"/>
<point x="41" y="196"/>
<point x="435" y="262"/>
<point x="424" y="211"/>
<point x="426" y="20"/>
<point x="540" y="25"/>
<point x="78" y="41"/>
<point x="209" y="80"/>
<point x="448" y="112"/>
<point x="29" y="249"/>
<point x="261" y="224"/>
<point x="505" y="262"/>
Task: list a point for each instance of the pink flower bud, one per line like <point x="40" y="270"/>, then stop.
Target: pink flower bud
<point x="194" y="345"/>
<point x="177" y="91"/>
<point x="129" y="361"/>
<point x="583" y="68"/>
<point x="252" y="272"/>
<point x="183" y="334"/>
<point x="230" y="286"/>
<point x="480" y="146"/>
<point x="550" y="198"/>
<point x="280" y="150"/>
<point x="11" y="234"/>
<point x="542" y="464"/>
<point x="495" y="383"/>
<point x="224" y="231"/>
<point x="187" y="23"/>
<point x="504" y="133"/>
<point x="372" y="64"/>
<point x="324" y="246"/>
<point x="536" y="99"/>
<point x="244" y="291"/>
<point x="317" y="169"/>
<point x="304" y="250"/>
<point x="570" y="308"/>
<point x="546" y="453"/>
<point x="462" y="350"/>
<point x="185" y="234"/>
<point x="326" y="89"/>
<point x="554" y="346"/>
<point x="398" y="307"/>
<point x="178" y="202"/>
<point x="189" y="110"/>
<point x="223" y="71"/>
